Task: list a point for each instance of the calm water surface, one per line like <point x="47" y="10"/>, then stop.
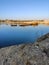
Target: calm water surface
<point x="11" y="35"/>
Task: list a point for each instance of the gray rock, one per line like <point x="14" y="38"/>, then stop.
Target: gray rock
<point x="26" y="54"/>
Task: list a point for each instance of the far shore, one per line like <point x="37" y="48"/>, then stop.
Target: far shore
<point x="24" y="22"/>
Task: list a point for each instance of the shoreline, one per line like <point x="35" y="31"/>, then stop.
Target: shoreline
<point x="24" y="22"/>
<point x="27" y="54"/>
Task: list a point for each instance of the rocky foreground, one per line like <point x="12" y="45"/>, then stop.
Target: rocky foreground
<point x="27" y="54"/>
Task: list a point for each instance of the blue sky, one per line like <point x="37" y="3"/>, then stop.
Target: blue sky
<point x="24" y="9"/>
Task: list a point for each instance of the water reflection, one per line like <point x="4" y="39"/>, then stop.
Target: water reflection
<point x="16" y="34"/>
<point x="23" y="25"/>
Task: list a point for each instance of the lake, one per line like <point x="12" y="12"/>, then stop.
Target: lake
<point x="14" y="35"/>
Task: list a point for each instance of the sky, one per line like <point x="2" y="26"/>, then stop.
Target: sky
<point x="24" y="9"/>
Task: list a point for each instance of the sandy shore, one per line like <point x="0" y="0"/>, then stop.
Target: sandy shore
<point x="27" y="54"/>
